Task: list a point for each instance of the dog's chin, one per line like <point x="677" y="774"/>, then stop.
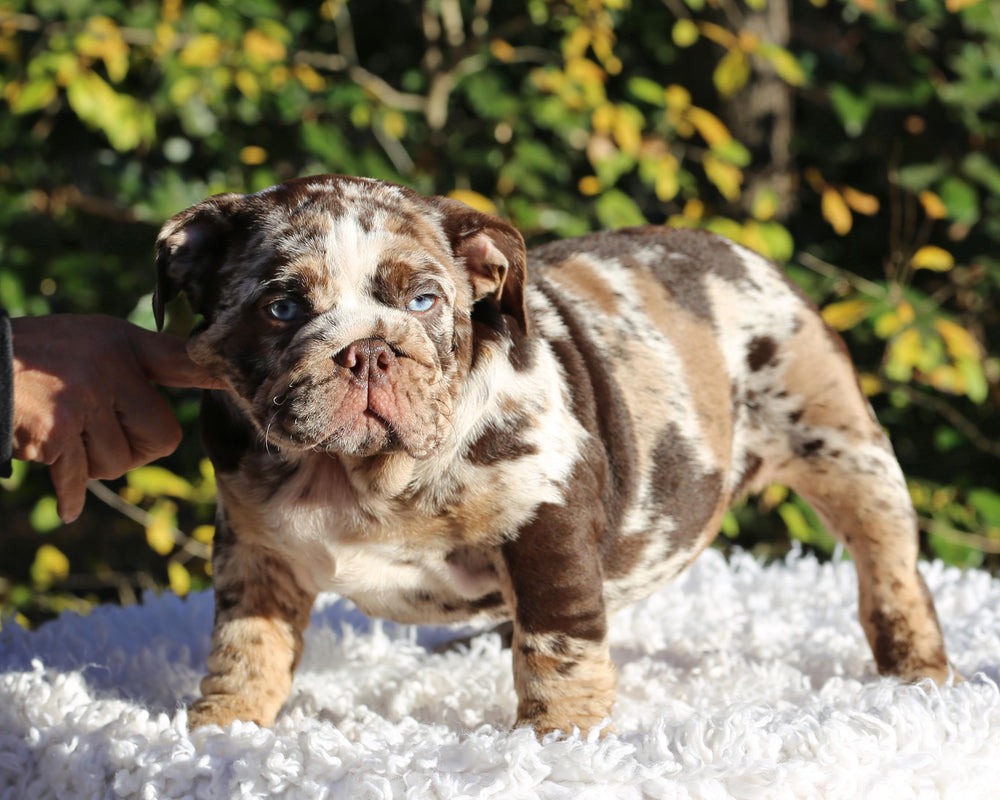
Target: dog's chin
<point x="363" y="436"/>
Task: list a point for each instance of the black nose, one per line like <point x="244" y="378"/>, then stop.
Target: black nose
<point x="369" y="360"/>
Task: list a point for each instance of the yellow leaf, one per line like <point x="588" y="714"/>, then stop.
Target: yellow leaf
<point x="933" y="258"/>
<point x="861" y="202"/>
<point x="933" y="205"/>
<point x="960" y="343"/>
<point x="474" y="199"/>
<point x="502" y="51"/>
<point x="247" y="83"/>
<point x="726" y="177"/>
<point x="765" y="204"/>
<point x="835" y="211"/>
<point x="589" y="185"/>
<point x="731" y="73"/>
<point x="203" y="534"/>
<point x="892" y="322"/>
<point x="709" y="126"/>
<point x="846" y="314"/>
<point x="309" y="77"/>
<point x="947" y="378"/>
<point x="957" y="5"/>
<point x="870" y="384"/>
<point x="694" y="210"/>
<point x="628" y="129"/>
<point x="394" y="123"/>
<point x="179" y="577"/>
<point x="258" y="46"/>
<point x="684" y="33"/>
<point x="204" y="50"/>
<point x="160" y="534"/>
<point x="154" y="481"/>
<point x="774" y="495"/>
<point x="718" y="34"/>
<point x="907" y="350"/>
<point x="50" y="565"/>
<point x="678" y="98"/>
<point x="253" y="155"/>
<point x="666" y="182"/>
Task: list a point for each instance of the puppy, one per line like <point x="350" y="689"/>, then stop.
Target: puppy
<point x="427" y="421"/>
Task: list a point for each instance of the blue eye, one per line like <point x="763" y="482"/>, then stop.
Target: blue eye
<point x="284" y="310"/>
<point x="421" y="303"/>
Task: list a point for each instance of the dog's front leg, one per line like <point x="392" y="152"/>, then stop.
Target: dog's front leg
<point x="562" y="668"/>
<point x="260" y="615"/>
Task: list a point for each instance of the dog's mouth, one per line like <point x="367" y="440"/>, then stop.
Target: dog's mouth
<point x="373" y="401"/>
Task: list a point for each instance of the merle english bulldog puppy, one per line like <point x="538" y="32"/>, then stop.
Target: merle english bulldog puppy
<point x="442" y="428"/>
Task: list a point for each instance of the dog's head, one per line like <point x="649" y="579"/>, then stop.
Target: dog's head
<point x="339" y="309"/>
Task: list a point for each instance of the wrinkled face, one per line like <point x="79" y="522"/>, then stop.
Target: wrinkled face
<point x="337" y="309"/>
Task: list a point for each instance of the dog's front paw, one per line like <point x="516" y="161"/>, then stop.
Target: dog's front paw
<point x="221" y="710"/>
<point x="564" y="716"/>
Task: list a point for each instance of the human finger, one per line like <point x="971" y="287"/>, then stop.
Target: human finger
<point x="69" y="478"/>
<point x="164" y="360"/>
<point x="109" y="453"/>
<point x="148" y="424"/>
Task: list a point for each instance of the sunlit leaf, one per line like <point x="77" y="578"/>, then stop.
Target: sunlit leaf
<point x="179" y="578"/>
<point x="45" y="515"/>
<point x="709" y="126"/>
<point x="727" y="178"/>
<point x="844" y="315"/>
<point x="933" y="258"/>
<point x="156" y="481"/>
<point x="684" y="33"/>
<point x="474" y="199"/>
<point x="33" y="96"/>
<point x="861" y="202"/>
<point x="50" y="565"/>
<point x="835" y="211"/>
<point x="160" y="533"/>
<point x="933" y="205"/>
<point x="203" y="50"/>
<point x="960" y="343"/>
<point x="731" y="73"/>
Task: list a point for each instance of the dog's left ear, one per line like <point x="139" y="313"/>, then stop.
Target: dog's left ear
<point x="190" y="248"/>
<point x="493" y="254"/>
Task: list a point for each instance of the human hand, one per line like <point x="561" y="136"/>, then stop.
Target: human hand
<point x="84" y="403"/>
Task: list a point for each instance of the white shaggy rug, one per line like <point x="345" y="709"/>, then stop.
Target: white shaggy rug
<point x="737" y="680"/>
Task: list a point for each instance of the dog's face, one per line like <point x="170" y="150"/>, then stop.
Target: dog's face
<point x="338" y="309"/>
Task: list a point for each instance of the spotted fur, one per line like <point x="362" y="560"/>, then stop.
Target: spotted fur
<point x="554" y="437"/>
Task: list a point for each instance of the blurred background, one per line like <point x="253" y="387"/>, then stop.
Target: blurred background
<point x="855" y="142"/>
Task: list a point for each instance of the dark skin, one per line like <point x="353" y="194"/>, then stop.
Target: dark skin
<point x="84" y="400"/>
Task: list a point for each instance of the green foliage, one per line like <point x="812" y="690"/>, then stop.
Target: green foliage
<point x="870" y="170"/>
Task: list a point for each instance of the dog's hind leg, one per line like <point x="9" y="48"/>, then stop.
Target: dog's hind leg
<point x="838" y="459"/>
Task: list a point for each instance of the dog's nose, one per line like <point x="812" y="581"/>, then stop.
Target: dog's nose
<point x="367" y="360"/>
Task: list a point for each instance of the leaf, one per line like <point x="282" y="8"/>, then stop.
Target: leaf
<point x="959" y="342"/>
<point x="852" y="110"/>
<point x="646" y="90"/>
<point x="260" y="47"/>
<point x="203" y="50"/>
<point x="727" y="178"/>
<point x="933" y="258"/>
<point x="615" y="209"/>
<point x="785" y="64"/>
<point x="846" y="314"/>
<point x="253" y="155"/>
<point x="473" y="199"/>
<point x="861" y="202"/>
<point x="684" y="33"/>
<point x="179" y="578"/>
<point x="731" y="73"/>
<point x="960" y="199"/>
<point x="154" y="481"/>
<point x="50" y="565"/>
<point x="835" y="211"/>
<point x="34" y="96"/>
<point x="160" y="533"/>
<point x="893" y="321"/>
<point x="44" y="515"/>
<point x="709" y="126"/>
<point x="987" y="503"/>
<point x="934" y="206"/>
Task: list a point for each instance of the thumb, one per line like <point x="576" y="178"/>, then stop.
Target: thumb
<point x="165" y="361"/>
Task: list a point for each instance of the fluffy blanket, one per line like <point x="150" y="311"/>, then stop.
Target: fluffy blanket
<point x="737" y="680"/>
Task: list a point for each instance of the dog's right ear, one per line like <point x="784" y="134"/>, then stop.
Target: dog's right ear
<point x="190" y="248"/>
